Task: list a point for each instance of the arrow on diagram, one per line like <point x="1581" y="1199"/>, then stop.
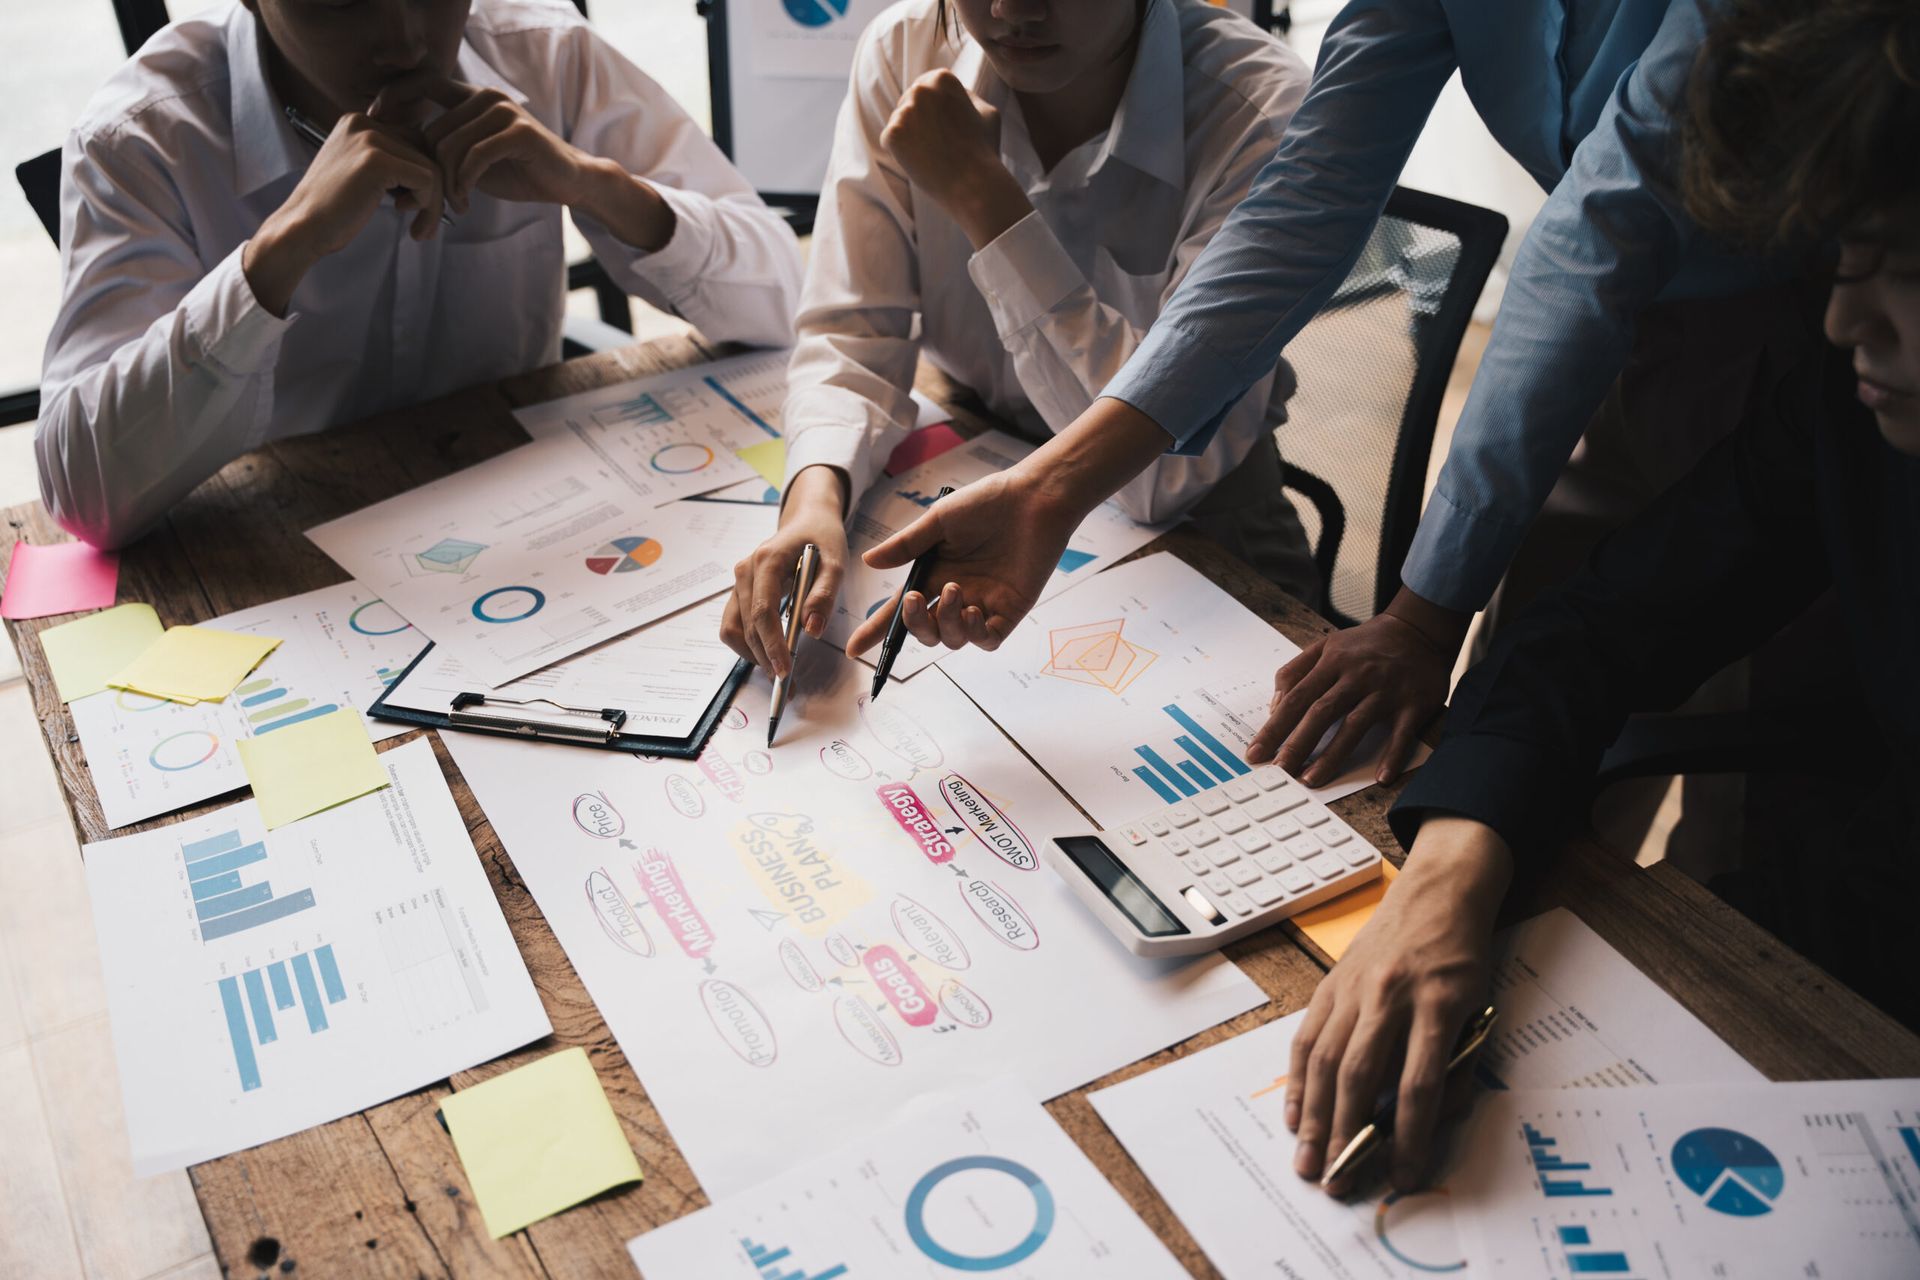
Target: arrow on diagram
<point x="767" y="919"/>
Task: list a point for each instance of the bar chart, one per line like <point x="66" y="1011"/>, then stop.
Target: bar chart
<point x="1584" y="1258"/>
<point x="267" y="705"/>
<point x="271" y="990"/>
<point x="223" y="903"/>
<point x="771" y="1264"/>
<point x="1551" y="1167"/>
<point x="1199" y="760"/>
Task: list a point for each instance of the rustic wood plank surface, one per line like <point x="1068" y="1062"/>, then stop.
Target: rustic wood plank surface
<point x="383" y="1192"/>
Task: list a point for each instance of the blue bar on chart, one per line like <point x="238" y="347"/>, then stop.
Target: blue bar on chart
<point x="767" y="1262"/>
<point x="213" y="886"/>
<point x="1545" y="1161"/>
<point x="237" y="1032"/>
<point x="270" y="910"/>
<point x="1574" y="1235"/>
<point x="309" y="993"/>
<point x="282" y="986"/>
<point x="329" y="974"/>
<point x="1598" y="1263"/>
<point x="257" y="1001"/>
<point x="232" y="860"/>
<point x="1220" y="749"/>
<point x="1203" y="761"/>
<point x="225" y="904"/>
<point x="1167" y="771"/>
<point x="211" y="845"/>
<point x="744" y="412"/>
<point x="1911" y="1136"/>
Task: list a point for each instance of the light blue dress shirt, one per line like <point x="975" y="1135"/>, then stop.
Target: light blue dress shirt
<point x="1578" y="92"/>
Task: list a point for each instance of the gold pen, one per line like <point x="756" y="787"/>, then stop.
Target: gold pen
<point x="790" y="618"/>
<point x="1375" y="1135"/>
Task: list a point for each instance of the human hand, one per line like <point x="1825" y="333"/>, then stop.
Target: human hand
<point x="1395" y="1004"/>
<point x="1391" y="669"/>
<point x="997" y="540"/>
<point x="484" y="140"/>
<point x="751" y="625"/>
<point x="360" y="161"/>
<point x="948" y="144"/>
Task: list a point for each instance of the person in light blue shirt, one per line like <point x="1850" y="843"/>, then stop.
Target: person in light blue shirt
<point x="1579" y="92"/>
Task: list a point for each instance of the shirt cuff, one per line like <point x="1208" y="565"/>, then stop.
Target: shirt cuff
<point x="1458" y="555"/>
<point x="1496" y="781"/>
<point x="1024" y="273"/>
<point x="226" y="323"/>
<point x="674" y="268"/>
<point x="831" y="446"/>
<point x="1177" y="380"/>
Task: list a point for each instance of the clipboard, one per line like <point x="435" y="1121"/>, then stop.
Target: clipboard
<point x="542" y="720"/>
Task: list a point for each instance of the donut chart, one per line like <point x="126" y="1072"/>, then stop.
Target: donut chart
<point x="509" y="604"/>
<point x="815" y="13"/>
<point x="377" y="618"/>
<point x="1043" y="1214"/>
<point x="681" y="459"/>
<point x="625" y="555"/>
<point x="181" y="751"/>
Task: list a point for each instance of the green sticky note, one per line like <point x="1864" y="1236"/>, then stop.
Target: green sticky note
<point x="538" y="1139"/>
<point x="311" y="765"/>
<point x="194" y="664"/>
<point x="87" y="653"/>
<point x="769" y="458"/>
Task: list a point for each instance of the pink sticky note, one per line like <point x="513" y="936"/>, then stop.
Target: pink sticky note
<point x="66" y="577"/>
<point x="923" y="445"/>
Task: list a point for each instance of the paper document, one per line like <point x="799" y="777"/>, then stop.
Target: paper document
<point x="674" y="435"/>
<point x="664" y="676"/>
<point x="194" y="664"/>
<point x="788" y="942"/>
<point x="1143" y="687"/>
<point x="314" y="765"/>
<point x="1209" y="1130"/>
<point x="65" y="577"/>
<point x="809" y="39"/>
<point x="537" y="554"/>
<point x="339" y="648"/>
<point x="260" y="983"/>
<point x="86" y="653"/>
<point x="1817" y="1179"/>
<point x="976" y="1181"/>
<point x="538" y="1139"/>
<point x="896" y="502"/>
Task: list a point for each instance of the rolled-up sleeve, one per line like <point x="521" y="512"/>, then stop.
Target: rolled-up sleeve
<point x="1292" y="241"/>
<point x="158" y="372"/>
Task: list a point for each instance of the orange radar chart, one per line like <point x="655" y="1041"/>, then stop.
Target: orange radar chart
<point x="1097" y="654"/>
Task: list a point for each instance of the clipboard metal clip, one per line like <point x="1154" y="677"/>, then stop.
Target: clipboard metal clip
<point x="536" y="718"/>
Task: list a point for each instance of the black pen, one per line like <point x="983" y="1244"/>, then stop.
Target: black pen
<point x="897" y="627"/>
<point x="1375" y="1135"/>
<point x="311" y="132"/>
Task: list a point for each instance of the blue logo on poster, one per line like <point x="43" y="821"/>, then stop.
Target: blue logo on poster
<point x="1733" y="1173"/>
<point x="815" y="13"/>
<point x="924" y="1241"/>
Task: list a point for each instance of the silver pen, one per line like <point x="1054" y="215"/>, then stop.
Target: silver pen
<point x="311" y="132"/>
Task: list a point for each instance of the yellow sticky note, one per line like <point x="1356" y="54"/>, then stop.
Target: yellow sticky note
<point x="312" y="765"/>
<point x="194" y="664"/>
<point x="87" y="653"/>
<point x="538" y="1139"/>
<point x="1332" y="925"/>
<point x="769" y="458"/>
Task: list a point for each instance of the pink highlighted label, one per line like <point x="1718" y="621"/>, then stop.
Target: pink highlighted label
<point x="840" y="759"/>
<point x="668" y="893"/>
<point x="963" y="1006"/>
<point x="740" y="1023"/>
<point x="912" y="1001"/>
<point x="911" y="813"/>
<point x="928" y="934"/>
<point x="721" y="774"/>
<point x="988" y="824"/>
<point x="865" y="1032"/>
<point x="594" y="814"/>
<point x="795" y="962"/>
<point x="1000" y="914"/>
<point x="684" y="797"/>
<point x="616" y="915"/>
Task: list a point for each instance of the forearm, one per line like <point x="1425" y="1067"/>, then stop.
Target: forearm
<point x="1089" y="461"/>
<point x="628" y="207"/>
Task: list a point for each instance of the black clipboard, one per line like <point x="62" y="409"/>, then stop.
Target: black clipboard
<point x="574" y="726"/>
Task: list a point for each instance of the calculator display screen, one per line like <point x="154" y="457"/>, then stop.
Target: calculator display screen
<point x="1126" y="892"/>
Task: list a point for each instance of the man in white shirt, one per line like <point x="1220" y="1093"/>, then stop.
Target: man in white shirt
<point x="1014" y="191"/>
<point x="226" y="282"/>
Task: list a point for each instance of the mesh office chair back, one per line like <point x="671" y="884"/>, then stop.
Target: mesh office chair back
<point x="1373" y="369"/>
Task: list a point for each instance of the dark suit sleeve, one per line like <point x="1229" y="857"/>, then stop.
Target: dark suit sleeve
<point x="1720" y="562"/>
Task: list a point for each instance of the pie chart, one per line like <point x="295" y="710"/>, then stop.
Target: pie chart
<point x="624" y="555"/>
<point x="1733" y="1173"/>
<point x="815" y="13"/>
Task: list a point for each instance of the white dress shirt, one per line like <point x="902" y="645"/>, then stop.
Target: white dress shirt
<point x="162" y="366"/>
<point x="1040" y="319"/>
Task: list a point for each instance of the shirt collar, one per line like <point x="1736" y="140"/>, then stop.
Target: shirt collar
<point x="1149" y="128"/>
<point x="265" y="147"/>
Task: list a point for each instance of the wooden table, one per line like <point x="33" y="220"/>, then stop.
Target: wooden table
<point x="383" y="1193"/>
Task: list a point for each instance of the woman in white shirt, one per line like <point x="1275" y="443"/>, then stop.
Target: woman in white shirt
<point x="1013" y="196"/>
<point x="227" y="282"/>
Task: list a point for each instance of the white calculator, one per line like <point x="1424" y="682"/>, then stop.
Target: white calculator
<point x="1216" y="866"/>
